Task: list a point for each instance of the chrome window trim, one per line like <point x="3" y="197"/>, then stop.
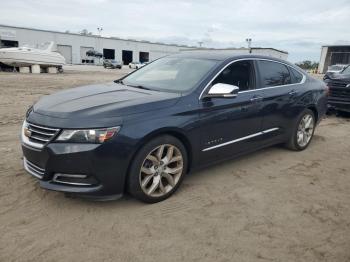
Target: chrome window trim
<point x="257" y="89"/>
<point x="241" y="139"/>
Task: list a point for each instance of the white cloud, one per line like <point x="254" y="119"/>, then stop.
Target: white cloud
<point x="299" y="27"/>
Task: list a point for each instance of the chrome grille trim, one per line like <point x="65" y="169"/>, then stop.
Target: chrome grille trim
<point x="44" y="127"/>
<point x="40" y="132"/>
<point x="40" y="135"/>
<point x="33" y="169"/>
<point x="40" y="139"/>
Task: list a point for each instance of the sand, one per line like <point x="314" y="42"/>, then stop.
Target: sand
<point x="272" y="205"/>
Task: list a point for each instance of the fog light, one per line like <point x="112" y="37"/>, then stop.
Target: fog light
<point x="74" y="179"/>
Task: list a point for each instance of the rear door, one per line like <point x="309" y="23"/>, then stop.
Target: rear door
<point x="229" y="125"/>
<point x="280" y="93"/>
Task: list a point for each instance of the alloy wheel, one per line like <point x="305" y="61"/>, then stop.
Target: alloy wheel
<point x="161" y="170"/>
<point x="305" y="130"/>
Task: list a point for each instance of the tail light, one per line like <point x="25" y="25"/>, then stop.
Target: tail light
<point x="327" y="90"/>
<point x="327" y="87"/>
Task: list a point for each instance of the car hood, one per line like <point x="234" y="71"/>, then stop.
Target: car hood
<point x="340" y="77"/>
<point x="103" y="101"/>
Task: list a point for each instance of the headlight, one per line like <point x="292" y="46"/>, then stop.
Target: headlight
<point x="95" y="136"/>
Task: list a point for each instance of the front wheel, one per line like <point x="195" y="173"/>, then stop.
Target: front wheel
<point x="158" y="169"/>
<point x="303" y="131"/>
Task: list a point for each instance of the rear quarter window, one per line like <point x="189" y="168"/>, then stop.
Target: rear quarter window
<point x="296" y="76"/>
<point x="274" y="74"/>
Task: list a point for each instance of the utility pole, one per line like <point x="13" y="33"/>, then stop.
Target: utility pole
<point x="200" y="43"/>
<point x="249" y="42"/>
<point x="99" y="29"/>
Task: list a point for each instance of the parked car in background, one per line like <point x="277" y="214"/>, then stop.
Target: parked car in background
<point x="136" y="65"/>
<point x="339" y="90"/>
<point x="336" y="68"/>
<point x="144" y="132"/>
<point x="110" y="63"/>
<point x="333" y="70"/>
<point x="94" y="53"/>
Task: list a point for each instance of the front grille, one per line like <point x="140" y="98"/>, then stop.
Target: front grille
<point x="40" y="134"/>
<point x="337" y="84"/>
<point x="340" y="92"/>
<point x="33" y="169"/>
<point x="37" y="136"/>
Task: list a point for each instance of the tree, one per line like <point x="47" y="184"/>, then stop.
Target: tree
<point x="85" y="32"/>
<point x="307" y="65"/>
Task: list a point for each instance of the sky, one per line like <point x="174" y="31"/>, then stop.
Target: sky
<point x="299" y="27"/>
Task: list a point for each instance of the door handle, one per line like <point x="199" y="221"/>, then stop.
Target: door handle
<point x="292" y="93"/>
<point x="256" y="99"/>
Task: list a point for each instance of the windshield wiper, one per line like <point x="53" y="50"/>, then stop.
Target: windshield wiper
<point x="119" y="81"/>
<point x="140" y="86"/>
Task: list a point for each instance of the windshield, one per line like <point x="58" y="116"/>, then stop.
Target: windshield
<point x="171" y="74"/>
<point x="346" y="71"/>
<point x="336" y="67"/>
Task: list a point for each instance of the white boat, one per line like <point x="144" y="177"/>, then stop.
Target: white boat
<point x="27" y="56"/>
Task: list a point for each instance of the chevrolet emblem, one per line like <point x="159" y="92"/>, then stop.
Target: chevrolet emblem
<point x="27" y="132"/>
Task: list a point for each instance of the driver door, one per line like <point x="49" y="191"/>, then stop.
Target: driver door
<point x="231" y="125"/>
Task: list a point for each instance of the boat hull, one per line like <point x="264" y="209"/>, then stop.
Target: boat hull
<point x="26" y="57"/>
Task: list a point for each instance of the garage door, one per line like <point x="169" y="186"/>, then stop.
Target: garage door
<point x="83" y="50"/>
<point x="66" y="51"/>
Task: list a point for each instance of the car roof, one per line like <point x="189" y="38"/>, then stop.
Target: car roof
<point x="223" y="56"/>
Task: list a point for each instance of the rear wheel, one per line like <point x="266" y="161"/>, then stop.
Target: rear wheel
<point x="158" y="169"/>
<point x="303" y="131"/>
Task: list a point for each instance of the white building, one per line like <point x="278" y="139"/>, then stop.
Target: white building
<point x="332" y="55"/>
<point x="73" y="46"/>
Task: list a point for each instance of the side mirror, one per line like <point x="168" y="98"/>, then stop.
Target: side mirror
<point x="223" y="90"/>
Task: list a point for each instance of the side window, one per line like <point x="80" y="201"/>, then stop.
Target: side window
<point x="296" y="76"/>
<point x="239" y="73"/>
<point x="274" y="74"/>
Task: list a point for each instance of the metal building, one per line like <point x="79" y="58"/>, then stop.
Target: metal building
<point x="332" y="55"/>
<point x="73" y="46"/>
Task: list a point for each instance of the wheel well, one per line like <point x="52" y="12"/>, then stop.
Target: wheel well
<point x="173" y="133"/>
<point x="314" y="110"/>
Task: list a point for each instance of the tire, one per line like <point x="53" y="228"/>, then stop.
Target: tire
<point x="294" y="143"/>
<point x="147" y="172"/>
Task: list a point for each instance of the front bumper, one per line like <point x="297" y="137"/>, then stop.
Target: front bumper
<point x="88" y="170"/>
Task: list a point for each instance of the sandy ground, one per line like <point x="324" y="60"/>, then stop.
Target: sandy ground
<point x="273" y="205"/>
